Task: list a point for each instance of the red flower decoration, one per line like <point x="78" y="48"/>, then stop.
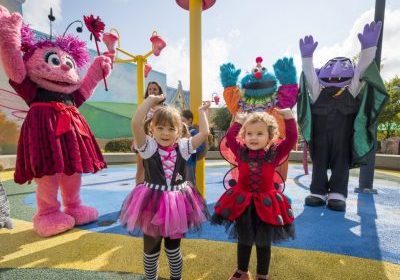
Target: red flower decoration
<point x="94" y="25"/>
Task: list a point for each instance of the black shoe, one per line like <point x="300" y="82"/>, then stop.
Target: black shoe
<point x="314" y="201"/>
<point x="337" y="205"/>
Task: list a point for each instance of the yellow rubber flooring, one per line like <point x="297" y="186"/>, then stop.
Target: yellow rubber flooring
<point x="90" y="251"/>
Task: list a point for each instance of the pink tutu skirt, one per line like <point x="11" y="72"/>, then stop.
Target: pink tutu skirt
<point x="163" y="213"/>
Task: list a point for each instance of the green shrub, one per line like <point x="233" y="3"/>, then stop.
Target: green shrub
<point x="214" y="148"/>
<point x="119" y="145"/>
<point x="8" y="149"/>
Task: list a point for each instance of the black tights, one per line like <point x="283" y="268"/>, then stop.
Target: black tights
<point x="152" y="245"/>
<point x="263" y="258"/>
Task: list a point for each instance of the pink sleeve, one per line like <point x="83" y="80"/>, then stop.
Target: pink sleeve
<point x="287" y="96"/>
<point x="290" y="140"/>
<point x="231" y="140"/>
<point x="79" y="99"/>
<point x="27" y="89"/>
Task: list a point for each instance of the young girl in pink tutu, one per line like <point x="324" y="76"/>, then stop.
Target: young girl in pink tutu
<point x="165" y="206"/>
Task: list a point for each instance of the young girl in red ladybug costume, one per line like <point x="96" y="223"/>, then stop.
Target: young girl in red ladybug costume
<point x="254" y="211"/>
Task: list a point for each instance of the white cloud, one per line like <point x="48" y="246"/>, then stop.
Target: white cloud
<point x="350" y="46"/>
<point x="35" y="13"/>
<point x="233" y="34"/>
<point x="215" y="53"/>
<point x="174" y="61"/>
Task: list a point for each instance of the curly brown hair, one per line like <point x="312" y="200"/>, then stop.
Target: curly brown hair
<point x="264" y="117"/>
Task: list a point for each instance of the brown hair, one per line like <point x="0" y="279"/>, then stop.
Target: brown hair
<point x="147" y="89"/>
<point x="187" y="114"/>
<point x="264" y="117"/>
<point x="167" y="116"/>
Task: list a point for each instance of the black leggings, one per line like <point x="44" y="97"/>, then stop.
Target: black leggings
<point x="152" y="245"/>
<point x="263" y="258"/>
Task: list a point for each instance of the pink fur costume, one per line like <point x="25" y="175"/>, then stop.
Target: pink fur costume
<point x="56" y="144"/>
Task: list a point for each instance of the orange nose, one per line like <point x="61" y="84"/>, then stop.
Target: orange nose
<point x="65" y="67"/>
<point x="258" y="75"/>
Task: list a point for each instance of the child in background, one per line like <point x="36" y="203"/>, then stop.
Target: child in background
<point x="260" y="213"/>
<point x="187" y="118"/>
<point x="166" y="205"/>
<point x="5" y="220"/>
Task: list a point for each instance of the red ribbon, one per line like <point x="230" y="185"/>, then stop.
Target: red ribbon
<point x="68" y="117"/>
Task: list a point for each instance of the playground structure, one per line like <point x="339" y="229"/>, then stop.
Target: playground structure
<point x="195" y="8"/>
<point x="141" y="60"/>
<point x="368" y="229"/>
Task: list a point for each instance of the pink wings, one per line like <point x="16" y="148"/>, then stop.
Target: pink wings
<point x="13" y="104"/>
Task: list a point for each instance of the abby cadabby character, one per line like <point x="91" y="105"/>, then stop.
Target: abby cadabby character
<point x="56" y="144"/>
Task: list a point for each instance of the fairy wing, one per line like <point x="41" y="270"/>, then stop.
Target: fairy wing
<point x="279" y="182"/>
<point x="231" y="178"/>
<point x="12" y="104"/>
<point x="226" y="152"/>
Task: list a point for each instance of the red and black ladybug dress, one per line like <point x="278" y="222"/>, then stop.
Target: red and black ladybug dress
<point x="258" y="212"/>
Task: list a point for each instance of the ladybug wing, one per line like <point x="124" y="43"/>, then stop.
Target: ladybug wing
<point x="279" y="183"/>
<point x="231" y="178"/>
<point x="226" y="153"/>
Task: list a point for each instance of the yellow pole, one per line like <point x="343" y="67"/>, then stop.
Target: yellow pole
<point x="195" y="9"/>
<point x="140" y="60"/>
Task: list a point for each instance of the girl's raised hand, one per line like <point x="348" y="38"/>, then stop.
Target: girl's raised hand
<point x="206" y="105"/>
<point x="155" y="99"/>
<point x="241" y="117"/>
<point x="285" y="113"/>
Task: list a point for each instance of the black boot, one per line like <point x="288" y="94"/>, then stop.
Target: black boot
<point x="314" y="201"/>
<point x="337" y="205"/>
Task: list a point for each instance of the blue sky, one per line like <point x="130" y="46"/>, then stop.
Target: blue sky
<point x="233" y="30"/>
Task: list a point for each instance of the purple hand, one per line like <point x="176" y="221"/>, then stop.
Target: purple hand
<point x="307" y="46"/>
<point x="370" y="36"/>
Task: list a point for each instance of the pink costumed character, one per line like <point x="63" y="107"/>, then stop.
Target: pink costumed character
<point x="56" y="144"/>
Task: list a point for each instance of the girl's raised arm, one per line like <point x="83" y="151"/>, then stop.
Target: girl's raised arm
<point x="139" y="134"/>
<point x="204" y="130"/>
<point x="290" y="140"/>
